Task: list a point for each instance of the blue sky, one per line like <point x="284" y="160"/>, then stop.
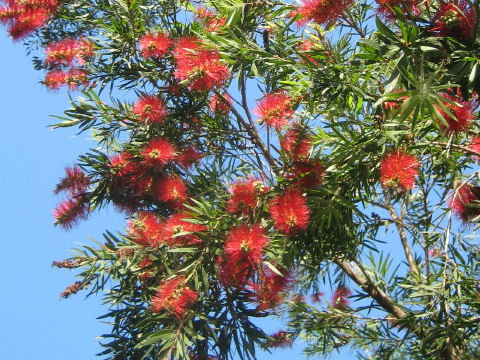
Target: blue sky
<point x="35" y="323"/>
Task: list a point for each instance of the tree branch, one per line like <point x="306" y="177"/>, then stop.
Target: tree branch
<point x="398" y="220"/>
<point x="252" y="131"/>
<point x="370" y="288"/>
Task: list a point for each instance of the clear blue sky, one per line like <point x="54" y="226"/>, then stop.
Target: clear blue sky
<point x="35" y="323"/>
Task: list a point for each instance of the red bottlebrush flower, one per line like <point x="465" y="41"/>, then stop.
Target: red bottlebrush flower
<point x="154" y="45"/>
<point x="212" y="22"/>
<point x="299" y="298"/>
<point x="465" y="202"/>
<point x="244" y="196"/>
<point x="123" y="165"/>
<point x="290" y="211"/>
<point x="219" y="106"/>
<point x="386" y="8"/>
<point x="297" y="143"/>
<point x="150" y="108"/>
<point x="145" y="264"/>
<point x="393" y="105"/>
<point x="243" y="251"/>
<point x="24" y="17"/>
<point x="463" y="114"/>
<point x="304" y="47"/>
<point x="317" y="297"/>
<point x="245" y="244"/>
<point x="189" y="156"/>
<point x="170" y="190"/>
<point x="174" y="296"/>
<point x="455" y="19"/>
<point x="270" y="289"/>
<point x="399" y="170"/>
<point x="308" y="174"/>
<point x="320" y="11"/>
<point x="232" y="273"/>
<point x="70" y="212"/>
<point x="68" y="51"/>
<point x="159" y="152"/>
<point x="198" y="67"/>
<point x="186" y="46"/>
<point x="176" y="225"/>
<point x="274" y="109"/>
<point x="55" y="79"/>
<point x="145" y="229"/>
<point x="130" y="181"/>
<point x="75" y="182"/>
<point x="75" y="78"/>
<point x="281" y="339"/>
<point x="339" y="298"/>
<point x="475" y="146"/>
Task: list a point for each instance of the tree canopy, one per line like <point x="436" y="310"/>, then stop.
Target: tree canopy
<point x="267" y="154"/>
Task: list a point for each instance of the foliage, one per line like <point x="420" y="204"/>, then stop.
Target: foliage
<point x="264" y="151"/>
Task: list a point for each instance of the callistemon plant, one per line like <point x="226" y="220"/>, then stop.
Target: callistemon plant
<point x="315" y="162"/>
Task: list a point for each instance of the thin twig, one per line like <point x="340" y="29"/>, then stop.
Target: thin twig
<point x="398" y="220"/>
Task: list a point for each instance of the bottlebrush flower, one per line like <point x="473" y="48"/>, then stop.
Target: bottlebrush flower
<point x="130" y="181"/>
<point x="463" y="114"/>
<point x="296" y="142"/>
<point x="123" y="164"/>
<point x="339" y="298"/>
<point x="244" y="196"/>
<point x="320" y="11"/>
<point x="386" y="8"/>
<point x="70" y="212"/>
<point x="200" y="68"/>
<point x="154" y="45"/>
<point x="188" y="157"/>
<point x="269" y="291"/>
<point x="290" y="211"/>
<point x="454" y="19"/>
<point x="68" y="51"/>
<point x="274" y="109"/>
<point x="232" y="273"/>
<point x="146" y="273"/>
<point x="75" y="182"/>
<point x="127" y="172"/>
<point x="465" y="202"/>
<point x="243" y="251"/>
<point x="174" y="296"/>
<point x="317" y="297"/>
<point x="212" y="22"/>
<point x="170" y="189"/>
<point x="307" y="174"/>
<point x="55" y="79"/>
<point x="281" y="339"/>
<point x="186" y="46"/>
<point x="150" y="108"/>
<point x="24" y="17"/>
<point x="159" y="152"/>
<point x="245" y="244"/>
<point x="475" y="146"/>
<point x="177" y="224"/>
<point x="399" y="170"/>
<point x="145" y="229"/>
<point x="219" y="106"/>
<point x="394" y="105"/>
<point x="304" y="47"/>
